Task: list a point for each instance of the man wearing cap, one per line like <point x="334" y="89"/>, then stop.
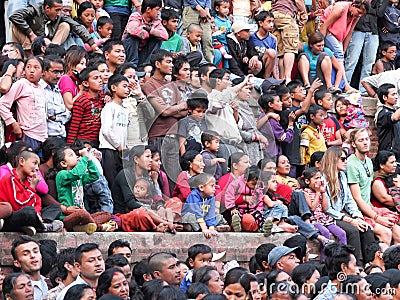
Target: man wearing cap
<point x="217" y="262"/>
<point x="244" y="56"/>
<point x="283" y="258"/>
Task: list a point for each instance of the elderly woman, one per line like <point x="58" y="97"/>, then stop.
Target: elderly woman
<point x="17" y="286"/>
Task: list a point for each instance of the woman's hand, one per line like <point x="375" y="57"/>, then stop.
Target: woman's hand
<point x="386" y="221"/>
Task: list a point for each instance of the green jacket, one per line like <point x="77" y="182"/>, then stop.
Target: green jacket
<point x="70" y="183"/>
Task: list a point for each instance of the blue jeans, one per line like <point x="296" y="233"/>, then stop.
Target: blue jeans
<point x="305" y="229"/>
<point x="337" y="47"/>
<point x="367" y="43"/>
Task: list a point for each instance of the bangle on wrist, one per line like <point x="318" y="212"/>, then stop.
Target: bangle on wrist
<point x="8" y="75"/>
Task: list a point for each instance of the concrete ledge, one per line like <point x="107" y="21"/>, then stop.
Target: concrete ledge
<point x="239" y="246"/>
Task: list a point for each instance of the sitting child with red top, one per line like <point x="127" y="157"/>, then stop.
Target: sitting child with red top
<point x="19" y="190"/>
<point x="244" y="198"/>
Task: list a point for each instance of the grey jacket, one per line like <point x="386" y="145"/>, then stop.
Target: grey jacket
<point x="33" y="18"/>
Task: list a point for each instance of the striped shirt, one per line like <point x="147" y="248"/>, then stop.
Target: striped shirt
<point x="86" y="118"/>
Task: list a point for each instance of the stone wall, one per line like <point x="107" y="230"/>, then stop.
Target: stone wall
<point x="239" y="246"/>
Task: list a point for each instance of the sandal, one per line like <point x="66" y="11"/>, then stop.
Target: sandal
<point x="267" y="228"/>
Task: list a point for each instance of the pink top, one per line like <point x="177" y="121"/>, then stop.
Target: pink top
<point x="235" y="192"/>
<point x="340" y="29"/>
<point x="319" y="216"/>
<point x="136" y="29"/>
<point x="31" y="108"/>
<point x="66" y="84"/>
<point x="42" y="186"/>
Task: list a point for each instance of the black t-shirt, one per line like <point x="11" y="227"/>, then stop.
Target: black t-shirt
<point x="292" y="150"/>
<point x="388" y="131"/>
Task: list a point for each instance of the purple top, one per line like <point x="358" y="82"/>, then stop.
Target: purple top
<point x="281" y="136"/>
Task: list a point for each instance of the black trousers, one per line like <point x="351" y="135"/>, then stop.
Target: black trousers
<point x="26" y="216"/>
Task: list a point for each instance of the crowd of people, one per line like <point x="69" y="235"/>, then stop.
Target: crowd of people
<point x="274" y="272"/>
<point x="205" y="116"/>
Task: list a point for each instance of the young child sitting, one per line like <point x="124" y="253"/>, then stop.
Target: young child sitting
<point x="244" y="199"/>
<point x="97" y="194"/>
<point x="210" y="141"/>
<point x="199" y="255"/>
<point x="386" y="62"/>
<point x="19" y="190"/>
<point x="275" y="211"/>
<point x="100" y="11"/>
<point x="71" y="174"/>
<point x="315" y="193"/>
<point x="191" y="46"/>
<point x="199" y="209"/>
<point x="105" y="26"/>
<point x="355" y="115"/>
<point x="191" y="127"/>
<point x="145" y="193"/>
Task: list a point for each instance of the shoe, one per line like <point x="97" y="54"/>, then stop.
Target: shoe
<point x="326" y="242"/>
<point x="1" y="224"/>
<point x="267" y="228"/>
<point x="28" y="230"/>
<point x="236" y="223"/>
<point x="55" y="226"/>
<point x="187" y="227"/>
<point x="334" y="90"/>
<point x="223" y="228"/>
<point x="227" y="56"/>
<point x="88" y="228"/>
<point x="109" y="226"/>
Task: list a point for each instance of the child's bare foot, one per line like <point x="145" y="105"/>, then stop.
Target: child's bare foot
<point x="161" y="228"/>
<point x="288" y="227"/>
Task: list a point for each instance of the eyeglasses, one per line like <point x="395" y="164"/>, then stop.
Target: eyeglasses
<point x="343" y="158"/>
<point x="56" y="72"/>
<point x="6" y="51"/>
<point x="366" y="169"/>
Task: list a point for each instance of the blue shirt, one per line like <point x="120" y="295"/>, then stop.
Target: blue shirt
<point x="219" y="22"/>
<point x="261" y="45"/>
<point x="314" y="58"/>
<point x="202" y="208"/>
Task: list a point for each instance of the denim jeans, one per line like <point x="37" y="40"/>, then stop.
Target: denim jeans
<point x="305" y="229"/>
<point x="142" y="57"/>
<point x="337" y="47"/>
<point x="367" y="43"/>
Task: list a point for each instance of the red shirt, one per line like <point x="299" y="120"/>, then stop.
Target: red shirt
<point x="86" y="118"/>
<point x="19" y="194"/>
